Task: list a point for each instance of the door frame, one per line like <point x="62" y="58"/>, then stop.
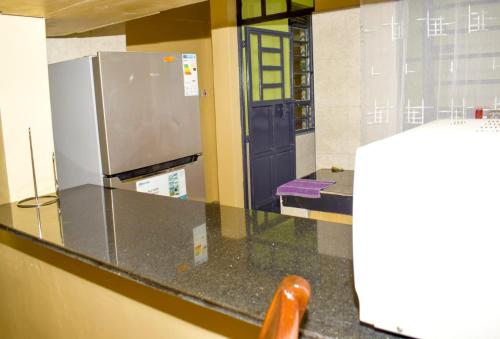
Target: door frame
<point x="246" y="182"/>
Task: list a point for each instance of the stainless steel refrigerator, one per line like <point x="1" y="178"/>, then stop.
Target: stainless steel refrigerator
<point x="128" y="120"/>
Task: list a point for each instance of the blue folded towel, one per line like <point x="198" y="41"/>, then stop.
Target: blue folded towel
<point x="306" y="188"/>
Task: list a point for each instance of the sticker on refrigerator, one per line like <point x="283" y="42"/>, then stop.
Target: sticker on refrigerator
<point x="200" y="244"/>
<point x="177" y="184"/>
<point x="157" y="184"/>
<point x="172" y="184"/>
<point x="190" y="73"/>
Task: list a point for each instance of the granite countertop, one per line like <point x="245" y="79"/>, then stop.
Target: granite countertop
<point x="226" y="259"/>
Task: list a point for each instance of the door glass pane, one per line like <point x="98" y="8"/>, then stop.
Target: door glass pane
<point x="300" y="50"/>
<point x="254" y="59"/>
<point x="271" y="94"/>
<point x="301" y="79"/>
<point x="300" y="34"/>
<point x="300" y="124"/>
<point x="275" y="6"/>
<point x="300" y="93"/>
<point x="270" y="41"/>
<point x="301" y="111"/>
<point x="271" y="59"/>
<point x="280" y="25"/>
<point x="250" y="9"/>
<point x="301" y="65"/>
<point x="301" y="4"/>
<point x="286" y="68"/>
<point x="271" y="77"/>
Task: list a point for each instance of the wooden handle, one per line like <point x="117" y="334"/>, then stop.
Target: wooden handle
<point x="287" y="309"/>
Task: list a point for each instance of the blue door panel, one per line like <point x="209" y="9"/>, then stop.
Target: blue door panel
<point x="261" y="130"/>
<point x="282" y="170"/>
<point x="262" y="183"/>
<point x="284" y="133"/>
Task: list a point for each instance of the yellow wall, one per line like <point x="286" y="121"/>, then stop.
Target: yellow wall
<point x="227" y="101"/>
<point x="24" y="102"/>
<point x="186" y="29"/>
<point x="330" y="5"/>
<point x="4" y="184"/>
<point x="48" y="295"/>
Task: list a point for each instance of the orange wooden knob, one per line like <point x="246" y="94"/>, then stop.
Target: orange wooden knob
<point x="287" y="309"/>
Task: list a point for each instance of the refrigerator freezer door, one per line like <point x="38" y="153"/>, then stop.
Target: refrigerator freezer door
<point x="193" y="177"/>
<point x="145" y="117"/>
<point x="74" y="123"/>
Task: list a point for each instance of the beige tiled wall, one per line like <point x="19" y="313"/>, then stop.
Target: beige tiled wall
<point x="305" y="154"/>
<point x="336" y="43"/>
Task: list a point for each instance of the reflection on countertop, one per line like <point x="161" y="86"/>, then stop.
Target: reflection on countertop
<point x="227" y="259"/>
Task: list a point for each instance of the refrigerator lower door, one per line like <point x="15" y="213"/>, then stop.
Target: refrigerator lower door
<point x="184" y="182"/>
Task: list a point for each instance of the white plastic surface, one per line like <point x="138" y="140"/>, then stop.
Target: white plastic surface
<point x="426" y="231"/>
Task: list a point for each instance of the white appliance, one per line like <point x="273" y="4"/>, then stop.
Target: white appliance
<point x="426" y="231"/>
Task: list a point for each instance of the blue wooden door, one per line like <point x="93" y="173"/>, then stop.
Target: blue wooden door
<point x="271" y="133"/>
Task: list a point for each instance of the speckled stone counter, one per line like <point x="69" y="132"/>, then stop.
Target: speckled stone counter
<point x="226" y="259"/>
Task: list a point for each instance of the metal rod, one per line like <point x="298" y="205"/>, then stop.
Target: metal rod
<point x="33" y="167"/>
<point x="25" y="203"/>
<point x="56" y="183"/>
<point x="54" y="170"/>
<point x="39" y="222"/>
